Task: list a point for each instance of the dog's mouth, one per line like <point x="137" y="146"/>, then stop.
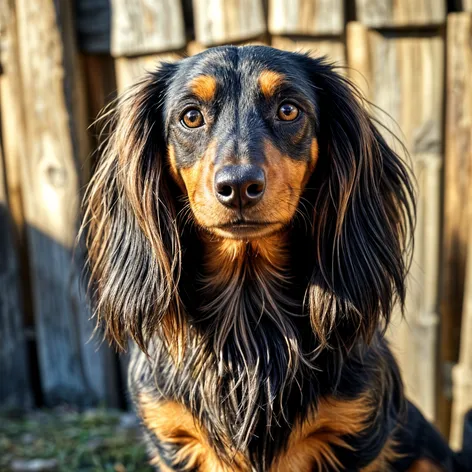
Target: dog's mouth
<point x="246" y="229"/>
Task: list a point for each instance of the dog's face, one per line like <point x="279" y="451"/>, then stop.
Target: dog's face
<point x="241" y="138"/>
<point x="242" y="132"/>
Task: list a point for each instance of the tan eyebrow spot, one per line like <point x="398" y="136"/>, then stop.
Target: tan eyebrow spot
<point x="314" y="151"/>
<point x="270" y="81"/>
<point x="204" y="87"/>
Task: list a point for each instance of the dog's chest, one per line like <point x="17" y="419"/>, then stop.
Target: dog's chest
<point x="197" y="434"/>
<point x="311" y="445"/>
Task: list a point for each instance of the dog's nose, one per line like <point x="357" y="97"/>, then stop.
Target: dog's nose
<point x="239" y="186"/>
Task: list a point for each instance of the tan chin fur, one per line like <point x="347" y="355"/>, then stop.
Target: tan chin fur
<point x="225" y="257"/>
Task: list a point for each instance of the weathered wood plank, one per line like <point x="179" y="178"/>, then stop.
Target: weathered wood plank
<point x="146" y="26"/>
<point x="12" y="128"/>
<point x="391" y="70"/>
<point x="457" y="240"/>
<point x="334" y="48"/>
<point x="306" y="17"/>
<point x="194" y="47"/>
<point x="226" y="21"/>
<point x="379" y="13"/>
<point x="129" y="69"/>
<point x="99" y="73"/>
<point x="93" y="24"/>
<point x="462" y="372"/>
<point x="72" y="370"/>
<point x="14" y="387"/>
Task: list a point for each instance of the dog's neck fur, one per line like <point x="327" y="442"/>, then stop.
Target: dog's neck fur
<point x="251" y="332"/>
<point x="244" y="284"/>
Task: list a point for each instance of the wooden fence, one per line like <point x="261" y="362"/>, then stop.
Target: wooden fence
<point x="60" y="66"/>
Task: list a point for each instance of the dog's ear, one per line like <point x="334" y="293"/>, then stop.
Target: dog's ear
<point x="132" y="238"/>
<point x="363" y="216"/>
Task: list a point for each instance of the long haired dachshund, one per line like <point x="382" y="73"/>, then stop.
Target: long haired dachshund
<point x="248" y="231"/>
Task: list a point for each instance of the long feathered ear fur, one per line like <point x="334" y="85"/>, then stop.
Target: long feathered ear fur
<point x="363" y="217"/>
<point x="132" y="238"/>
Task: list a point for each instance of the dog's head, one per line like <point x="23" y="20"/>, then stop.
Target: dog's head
<point x="243" y="134"/>
<point x="242" y="138"/>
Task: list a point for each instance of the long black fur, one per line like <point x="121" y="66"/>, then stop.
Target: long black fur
<point x="302" y="331"/>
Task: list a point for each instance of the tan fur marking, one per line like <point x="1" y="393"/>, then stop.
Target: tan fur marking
<point x="198" y="181"/>
<point x="173" y="167"/>
<point x="269" y="82"/>
<point x="387" y="456"/>
<point x="226" y="256"/>
<point x="286" y="179"/>
<point x="171" y="422"/>
<point x="424" y="465"/>
<point x="156" y="461"/>
<point x="314" y="151"/>
<point x="311" y="442"/>
<point x="204" y="87"/>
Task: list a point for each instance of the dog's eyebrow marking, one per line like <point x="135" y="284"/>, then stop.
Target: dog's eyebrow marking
<point x="270" y="81"/>
<point x="204" y="87"/>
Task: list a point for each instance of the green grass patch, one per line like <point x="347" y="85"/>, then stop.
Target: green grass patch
<point x="94" y="441"/>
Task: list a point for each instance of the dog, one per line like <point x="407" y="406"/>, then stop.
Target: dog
<point x="248" y="230"/>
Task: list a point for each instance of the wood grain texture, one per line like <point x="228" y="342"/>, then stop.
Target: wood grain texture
<point x="146" y="26"/>
<point x="13" y="281"/>
<point x="333" y="49"/>
<point x="380" y="13"/>
<point x="129" y="69"/>
<point x="306" y="17"/>
<point x="72" y="369"/>
<point x="99" y="74"/>
<point x="403" y="76"/>
<point x="457" y="240"/>
<point x="12" y="124"/>
<point x="226" y="21"/>
<point x="194" y="47"/>
<point x="14" y="387"/>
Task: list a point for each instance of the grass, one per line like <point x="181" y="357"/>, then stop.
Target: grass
<point x="93" y="441"/>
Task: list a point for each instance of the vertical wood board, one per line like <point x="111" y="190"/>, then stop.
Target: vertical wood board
<point x="129" y="69"/>
<point x="334" y="49"/>
<point x="226" y="21"/>
<point x="403" y="76"/>
<point x="306" y="17"/>
<point x="14" y="386"/>
<point x="71" y="368"/>
<point x="456" y="303"/>
<point x="388" y="13"/>
<point x="146" y="26"/>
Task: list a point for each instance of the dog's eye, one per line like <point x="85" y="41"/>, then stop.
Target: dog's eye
<point x="287" y="112"/>
<point x="192" y="118"/>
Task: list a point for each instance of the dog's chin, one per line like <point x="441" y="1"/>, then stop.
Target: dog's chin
<point x="246" y="231"/>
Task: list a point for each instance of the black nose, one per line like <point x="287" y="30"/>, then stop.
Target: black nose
<point x="239" y="186"/>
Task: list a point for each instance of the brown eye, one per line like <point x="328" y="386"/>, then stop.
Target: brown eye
<point x="287" y="112"/>
<point x="193" y="118"/>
